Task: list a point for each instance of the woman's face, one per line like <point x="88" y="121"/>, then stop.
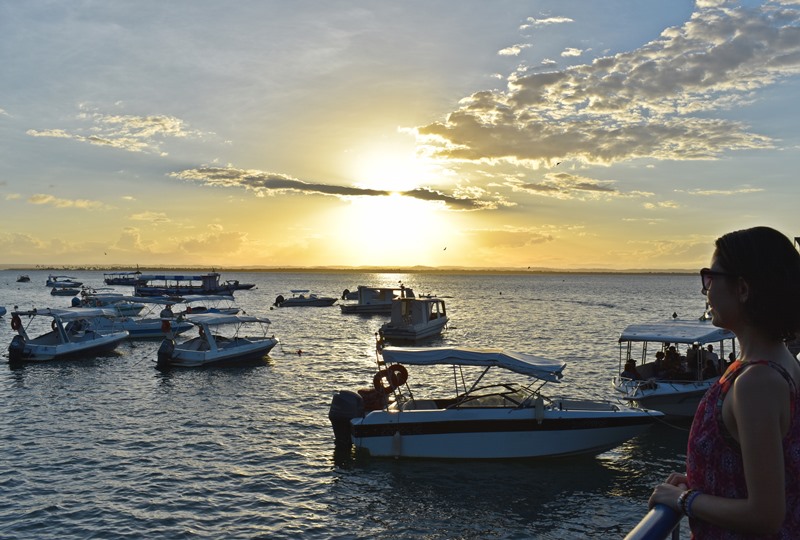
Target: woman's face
<point x="722" y="297"/>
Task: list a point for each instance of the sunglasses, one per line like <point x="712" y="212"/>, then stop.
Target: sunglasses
<point x="707" y="276"/>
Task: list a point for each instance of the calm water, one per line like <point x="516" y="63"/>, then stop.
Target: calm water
<point x="112" y="448"/>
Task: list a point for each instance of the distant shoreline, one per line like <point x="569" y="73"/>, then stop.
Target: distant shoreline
<point x="342" y="270"/>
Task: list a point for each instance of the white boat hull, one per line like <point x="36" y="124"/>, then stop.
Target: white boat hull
<point x="43" y="350"/>
<point x="495" y="433"/>
<point x="191" y="353"/>
<point x="673" y="398"/>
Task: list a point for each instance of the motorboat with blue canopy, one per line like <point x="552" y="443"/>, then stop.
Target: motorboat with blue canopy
<point x="676" y="361"/>
<point x="222" y="339"/>
<point x="70" y="334"/>
<point x="493" y="417"/>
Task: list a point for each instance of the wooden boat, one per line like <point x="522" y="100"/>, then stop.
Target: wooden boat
<point x="181" y="285"/>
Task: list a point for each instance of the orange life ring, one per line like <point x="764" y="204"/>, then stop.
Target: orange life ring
<point x="16" y="322"/>
<point x="396" y="375"/>
<point x="165" y="326"/>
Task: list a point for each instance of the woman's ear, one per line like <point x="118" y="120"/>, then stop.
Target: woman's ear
<point x="743" y="290"/>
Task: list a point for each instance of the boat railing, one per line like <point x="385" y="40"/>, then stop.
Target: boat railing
<point x="660" y="523"/>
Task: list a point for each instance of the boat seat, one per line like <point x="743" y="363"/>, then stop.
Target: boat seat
<point x="420" y="404"/>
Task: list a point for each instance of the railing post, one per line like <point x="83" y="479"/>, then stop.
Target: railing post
<point x="660" y="523"/>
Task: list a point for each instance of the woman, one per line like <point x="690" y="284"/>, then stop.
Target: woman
<point x="743" y="456"/>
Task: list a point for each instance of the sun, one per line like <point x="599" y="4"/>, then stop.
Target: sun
<point x="393" y="170"/>
<point x="393" y="230"/>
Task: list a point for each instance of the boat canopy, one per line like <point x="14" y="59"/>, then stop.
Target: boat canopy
<point x="525" y="364"/>
<point x="213" y="319"/>
<point x="676" y="331"/>
<point x="71" y="314"/>
<point x="173" y="277"/>
<point x="186" y="298"/>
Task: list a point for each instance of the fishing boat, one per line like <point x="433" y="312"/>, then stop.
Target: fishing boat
<point x="69" y="334"/>
<point x="221" y="339"/>
<point x="180" y="285"/>
<point x="303" y="298"/>
<point x="374" y="300"/>
<point x="415" y="319"/>
<point x="494" y="417"/>
<point x="677" y="392"/>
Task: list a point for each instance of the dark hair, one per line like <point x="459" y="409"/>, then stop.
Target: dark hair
<point x="770" y="264"/>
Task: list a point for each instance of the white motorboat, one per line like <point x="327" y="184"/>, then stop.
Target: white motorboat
<point x="494" y="418"/>
<point x="69" y="334"/>
<point x="63" y="290"/>
<point x="206" y="303"/>
<point x="415" y="319"/>
<point x="372" y="300"/>
<point x="222" y="339"/>
<point x="62" y="281"/>
<point x="127" y="306"/>
<point x="675" y="395"/>
<point x="304" y="298"/>
<point x="154" y="322"/>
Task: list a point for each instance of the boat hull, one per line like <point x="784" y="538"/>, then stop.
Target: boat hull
<point x="30" y="351"/>
<point x="372" y="309"/>
<point x="411" y="333"/>
<point x="183" y="355"/>
<point x="674" y="399"/>
<point x="495" y="433"/>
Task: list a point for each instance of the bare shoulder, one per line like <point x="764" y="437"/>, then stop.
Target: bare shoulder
<point x="760" y="379"/>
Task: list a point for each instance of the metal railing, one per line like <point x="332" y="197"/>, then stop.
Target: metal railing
<point x="660" y="523"/>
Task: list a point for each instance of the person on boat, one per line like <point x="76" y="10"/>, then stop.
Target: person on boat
<point x="672" y="364"/>
<point x="709" y="369"/>
<point x="713" y="357"/>
<point x="658" y="365"/>
<point x="742" y="459"/>
<point x="630" y="371"/>
<point x="167" y="313"/>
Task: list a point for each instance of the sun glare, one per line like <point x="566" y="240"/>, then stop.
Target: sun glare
<point x="394" y="231"/>
<point x="395" y="171"/>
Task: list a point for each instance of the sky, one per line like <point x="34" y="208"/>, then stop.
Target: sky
<point x="557" y="134"/>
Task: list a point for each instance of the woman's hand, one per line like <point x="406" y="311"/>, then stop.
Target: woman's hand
<point x="668" y="492"/>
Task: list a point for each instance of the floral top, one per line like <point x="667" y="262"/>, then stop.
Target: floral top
<point x="714" y="461"/>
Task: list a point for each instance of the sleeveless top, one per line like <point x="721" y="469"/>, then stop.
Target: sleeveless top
<point x="714" y="460"/>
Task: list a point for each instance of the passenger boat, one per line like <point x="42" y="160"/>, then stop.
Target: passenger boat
<point x="676" y="396"/>
<point x="130" y="278"/>
<point x="127" y="306"/>
<point x="373" y="300"/>
<point x="492" y="418"/>
<point x="415" y="319"/>
<point x="206" y="303"/>
<point x="222" y="339"/>
<point x="303" y="298"/>
<point x="180" y="285"/>
<point x="69" y="334"/>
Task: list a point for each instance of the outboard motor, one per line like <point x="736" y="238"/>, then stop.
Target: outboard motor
<point x="76" y="302"/>
<point x="16" y="350"/>
<point x="279" y="300"/>
<point x="345" y="406"/>
<point x="165" y="353"/>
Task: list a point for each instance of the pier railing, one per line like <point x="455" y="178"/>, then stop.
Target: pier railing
<point x="660" y="523"/>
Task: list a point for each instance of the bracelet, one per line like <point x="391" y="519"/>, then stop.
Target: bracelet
<point x="689" y="500"/>
<point x="682" y="500"/>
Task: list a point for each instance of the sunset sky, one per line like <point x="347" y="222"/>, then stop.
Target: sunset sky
<point x="561" y="134"/>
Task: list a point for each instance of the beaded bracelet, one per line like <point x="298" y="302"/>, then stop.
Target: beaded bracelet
<point x="682" y="500"/>
<point x="689" y="500"/>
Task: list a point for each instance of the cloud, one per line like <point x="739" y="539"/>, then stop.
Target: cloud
<point x="715" y="192"/>
<point x="123" y="132"/>
<point x="570" y="186"/>
<point x="658" y="101"/>
<point x="214" y="242"/>
<point x="532" y="22"/>
<point x="571" y="51"/>
<point x="513" y="50"/>
<point x="271" y="184"/>
<point x="83" y="204"/>
<point x="151" y="217"/>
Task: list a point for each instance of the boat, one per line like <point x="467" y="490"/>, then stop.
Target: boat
<point x="206" y="303"/>
<point x="374" y="300"/>
<point x="303" y="298"/>
<point x="64" y="290"/>
<point x="222" y="339"/>
<point x="130" y="278"/>
<point x="674" y="395"/>
<point x="69" y="334"/>
<point x="24" y="278"/>
<point x="127" y="306"/>
<point x="493" y="418"/>
<point x="415" y="319"/>
<point x="157" y="321"/>
<point x="180" y="285"/>
<point x="62" y="281"/>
